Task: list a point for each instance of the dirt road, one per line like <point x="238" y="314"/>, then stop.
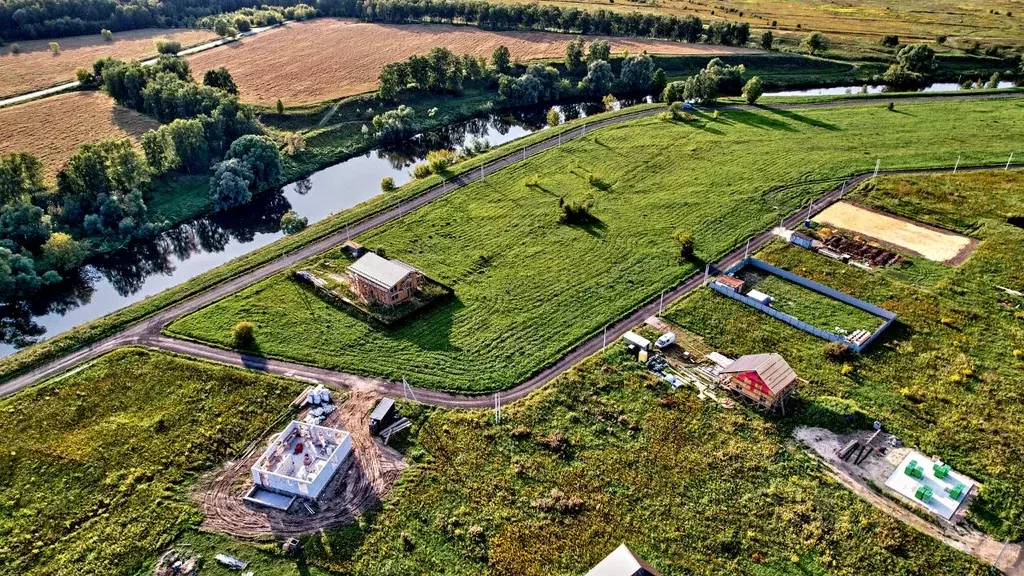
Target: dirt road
<point x="148" y="331"/>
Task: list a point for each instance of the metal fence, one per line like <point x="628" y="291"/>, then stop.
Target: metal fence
<point x="882" y="313"/>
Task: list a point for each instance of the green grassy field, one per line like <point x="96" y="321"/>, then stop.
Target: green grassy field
<point x="607" y="454"/>
<point x="947" y="377"/>
<point x="804" y="304"/>
<point x="528" y="288"/>
<point x="96" y="467"/>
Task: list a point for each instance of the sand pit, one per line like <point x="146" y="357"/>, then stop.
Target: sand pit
<point x="317" y="60"/>
<point x="931" y="243"/>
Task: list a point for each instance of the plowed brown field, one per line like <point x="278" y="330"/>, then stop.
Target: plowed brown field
<point x="53" y="128"/>
<point x="322" y="59"/>
<point x="35" y="68"/>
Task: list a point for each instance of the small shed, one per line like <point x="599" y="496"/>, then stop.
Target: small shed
<point x="765" y="379"/>
<point x="637" y="340"/>
<point x="623" y="562"/>
<point x="760" y="297"/>
<point x="802" y="240"/>
<point x="383" y="415"/>
<point x="730" y="282"/>
<point x="353" y="249"/>
<point x="377" y="279"/>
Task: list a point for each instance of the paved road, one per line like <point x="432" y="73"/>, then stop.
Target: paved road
<point x="72" y="85"/>
<point x="148" y="331"/>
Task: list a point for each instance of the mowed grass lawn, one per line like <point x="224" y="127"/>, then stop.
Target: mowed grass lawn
<point x="529" y="288"/>
<point x="948" y="377"/>
<point x="96" y="466"/>
<point x="607" y="454"/>
<point x="804" y="304"/>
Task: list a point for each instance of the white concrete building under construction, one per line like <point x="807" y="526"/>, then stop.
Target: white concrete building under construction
<point x="300" y="462"/>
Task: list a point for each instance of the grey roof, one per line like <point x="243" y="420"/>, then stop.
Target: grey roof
<point x="772" y="368"/>
<point x="381" y="271"/>
<point x="382" y="409"/>
<point x="622" y="562"/>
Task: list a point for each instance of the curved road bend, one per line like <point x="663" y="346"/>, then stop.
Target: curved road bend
<point x="148" y="331"/>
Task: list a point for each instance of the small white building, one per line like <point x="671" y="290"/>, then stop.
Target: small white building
<point x="622" y="562"/>
<point x="302" y="460"/>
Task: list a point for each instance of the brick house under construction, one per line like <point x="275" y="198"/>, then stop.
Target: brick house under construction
<point x="764" y="379"/>
<point x="377" y="279"/>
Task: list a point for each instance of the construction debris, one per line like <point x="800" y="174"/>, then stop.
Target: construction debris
<point x="231" y="562"/>
<point x="176" y="563"/>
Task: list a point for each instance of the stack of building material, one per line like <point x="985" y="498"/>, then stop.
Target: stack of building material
<point x="859" y="337"/>
<point x="319" y="398"/>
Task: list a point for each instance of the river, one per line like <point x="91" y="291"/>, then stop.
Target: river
<point x="197" y="246"/>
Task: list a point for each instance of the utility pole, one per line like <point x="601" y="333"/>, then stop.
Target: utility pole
<point x="843" y="191"/>
<point x="1008" y="162"/>
<point x="746" y="251"/>
<point x="497" y="408"/>
<point x="957" y="165"/>
<point x="707" y="271"/>
<point x="878" y="164"/>
<point x="661" y="307"/>
<point x="407" y="389"/>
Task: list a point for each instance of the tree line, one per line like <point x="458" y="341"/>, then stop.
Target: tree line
<point x="27" y="19"/>
<point x="98" y="204"/>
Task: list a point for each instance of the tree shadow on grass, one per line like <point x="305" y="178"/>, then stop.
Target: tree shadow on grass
<point x="803" y="119"/>
<point x="755" y="120"/>
<point x="591" y="225"/>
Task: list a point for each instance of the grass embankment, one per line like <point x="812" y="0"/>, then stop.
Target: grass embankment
<point x="529" y="288"/>
<point x="85" y="334"/>
<point x="606" y="454"/>
<point x="96" y="466"/>
<point x="818" y="310"/>
<point x="946" y="377"/>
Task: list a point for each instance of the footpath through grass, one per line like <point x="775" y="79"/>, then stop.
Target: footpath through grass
<point x="948" y="377"/>
<point x="529" y="288"/>
<point x="96" y="466"/>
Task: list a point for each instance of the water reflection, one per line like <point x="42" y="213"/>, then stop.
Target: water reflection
<point x="194" y="247"/>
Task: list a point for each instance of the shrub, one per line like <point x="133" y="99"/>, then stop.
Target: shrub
<point x="387" y="184"/>
<point x="84" y="76"/>
<point x="440" y="160"/>
<point x="837" y="351"/>
<point x="890" y="41"/>
<point x="243" y="335"/>
<point x="167" y="46"/>
<point x="107" y="35"/>
<point x="55" y="48"/>
<point x="280" y="106"/>
<point x="294" y="143"/>
<point x="292" y="223"/>
<point x="816" y="42"/>
<point x="576" y="211"/>
<point x="753" y="89"/>
<point x="554" y="119"/>
<point x="15" y="48"/>
<point x="767" y="39"/>
<point x="422" y="170"/>
<point x="685" y="245"/>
